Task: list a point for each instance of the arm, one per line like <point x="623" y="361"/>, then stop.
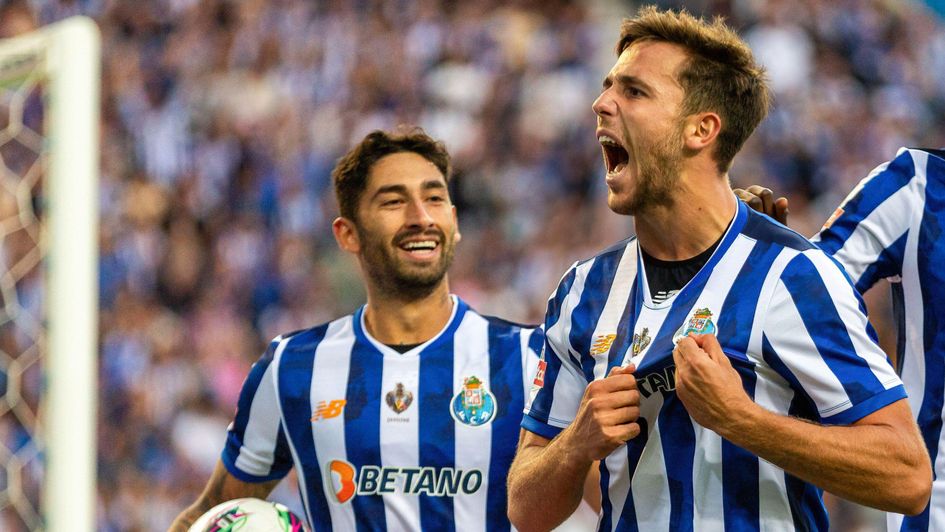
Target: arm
<point x="879" y="460"/>
<point x="221" y="487"/>
<point x="547" y="477"/>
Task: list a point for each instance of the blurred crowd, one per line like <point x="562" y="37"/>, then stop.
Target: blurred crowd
<point x="222" y="119"/>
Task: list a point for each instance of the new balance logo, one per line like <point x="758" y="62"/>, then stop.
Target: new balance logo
<point x="329" y="409"/>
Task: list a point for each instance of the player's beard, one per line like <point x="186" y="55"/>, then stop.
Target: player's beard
<point x="658" y="167"/>
<point x="398" y="278"/>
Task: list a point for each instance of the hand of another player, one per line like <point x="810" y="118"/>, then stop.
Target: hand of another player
<point x="762" y="200"/>
<point x="607" y="417"/>
<point x="706" y="382"/>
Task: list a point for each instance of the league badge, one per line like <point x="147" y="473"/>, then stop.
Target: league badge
<point x="699" y="323"/>
<point x="474" y="405"/>
<point x="640" y="341"/>
<point x="399" y="399"/>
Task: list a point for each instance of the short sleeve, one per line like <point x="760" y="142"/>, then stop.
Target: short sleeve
<point x="256" y="449"/>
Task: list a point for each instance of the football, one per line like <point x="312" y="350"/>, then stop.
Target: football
<point x="248" y="515"/>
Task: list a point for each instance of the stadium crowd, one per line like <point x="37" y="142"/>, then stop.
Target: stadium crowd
<point x="221" y="121"/>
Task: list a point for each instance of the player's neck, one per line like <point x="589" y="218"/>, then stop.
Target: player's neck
<point x="698" y="217"/>
<point x="393" y="320"/>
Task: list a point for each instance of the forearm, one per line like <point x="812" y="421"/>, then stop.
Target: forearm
<point x="546" y="484"/>
<point x="875" y="465"/>
<point x="221" y="487"/>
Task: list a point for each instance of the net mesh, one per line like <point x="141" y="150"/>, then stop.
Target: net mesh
<point x="22" y="339"/>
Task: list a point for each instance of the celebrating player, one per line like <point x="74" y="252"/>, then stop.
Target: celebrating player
<point x="889" y="227"/>
<point x="404" y="415"/>
<point x="718" y="364"/>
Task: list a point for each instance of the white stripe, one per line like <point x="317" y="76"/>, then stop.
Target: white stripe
<point x="473" y="445"/>
<point x="570" y="384"/>
<point x="616" y="303"/>
<point x="400" y="438"/>
<point x="877" y="231"/>
<point x="773" y="393"/>
<point x="619" y="482"/>
<point x="707" y="463"/>
<point x="790" y="339"/>
<point x="844" y="298"/>
<point x="772" y="281"/>
<point x="262" y="429"/>
<point x="649" y="484"/>
<point x="329" y="383"/>
<point x="913" y="363"/>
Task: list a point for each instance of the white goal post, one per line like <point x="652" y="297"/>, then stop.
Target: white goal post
<point x="66" y="58"/>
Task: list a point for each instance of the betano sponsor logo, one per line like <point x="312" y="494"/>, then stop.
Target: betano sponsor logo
<point x="344" y="481"/>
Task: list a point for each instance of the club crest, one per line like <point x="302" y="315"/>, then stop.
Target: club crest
<point x="699" y="323"/>
<point x="474" y="405"/>
<point x="640" y="341"/>
<point x="399" y="399"/>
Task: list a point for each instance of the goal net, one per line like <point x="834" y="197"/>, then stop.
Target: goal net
<point x="49" y="122"/>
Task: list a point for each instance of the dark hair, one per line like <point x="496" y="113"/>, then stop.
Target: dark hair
<point x="720" y="76"/>
<point x="351" y="172"/>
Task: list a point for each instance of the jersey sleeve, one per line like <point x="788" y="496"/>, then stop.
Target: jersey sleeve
<point x="817" y="337"/>
<point x="867" y="232"/>
<point x="559" y="381"/>
<point x="256" y="449"/>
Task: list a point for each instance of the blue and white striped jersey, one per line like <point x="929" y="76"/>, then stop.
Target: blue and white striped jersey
<point x="795" y="330"/>
<point x="382" y="440"/>
<point x="891" y="227"/>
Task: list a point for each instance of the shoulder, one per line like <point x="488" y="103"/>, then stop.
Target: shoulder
<point x="498" y="325"/>
<point x="306" y="340"/>
<point x="602" y="264"/>
<point x="762" y="228"/>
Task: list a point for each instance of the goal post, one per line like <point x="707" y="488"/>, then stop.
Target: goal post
<point x="72" y="274"/>
<point x="63" y="60"/>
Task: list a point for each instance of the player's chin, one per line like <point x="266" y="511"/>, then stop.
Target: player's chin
<point x="620" y="203"/>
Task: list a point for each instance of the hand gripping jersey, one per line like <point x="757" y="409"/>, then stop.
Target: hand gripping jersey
<point x="891" y="226"/>
<point x="388" y="441"/>
<point x="795" y="330"/>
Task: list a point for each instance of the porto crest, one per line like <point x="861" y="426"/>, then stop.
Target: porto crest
<point x="640" y="341"/>
<point x="474" y="405"/>
<point x="399" y="399"/>
<point x="699" y="323"/>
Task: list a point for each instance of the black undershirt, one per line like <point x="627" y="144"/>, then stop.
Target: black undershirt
<point x="667" y="277"/>
<point x="402" y="348"/>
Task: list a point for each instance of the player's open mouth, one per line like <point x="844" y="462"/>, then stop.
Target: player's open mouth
<point x="615" y="155"/>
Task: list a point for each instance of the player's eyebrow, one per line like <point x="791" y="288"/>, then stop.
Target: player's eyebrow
<point x="626" y="80"/>
<point x="397" y="188"/>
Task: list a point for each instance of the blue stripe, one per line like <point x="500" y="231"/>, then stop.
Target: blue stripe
<point x="679" y="445"/>
<point x="807" y="508"/>
<point x="505" y="377"/>
<point x="597" y="286"/>
<point x="624" y="340"/>
<point x="740" y="501"/>
<point x="828" y="331"/>
<point x="897" y="175"/>
<point x="605" y="506"/>
<point x="634" y="450"/>
<point x="436" y="425"/>
<point x="735" y="317"/>
<point x="362" y="429"/>
<point x="887" y="264"/>
<point x="295" y="382"/>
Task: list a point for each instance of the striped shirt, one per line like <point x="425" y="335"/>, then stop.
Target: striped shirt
<point x="793" y="327"/>
<point x="388" y="441"/>
<point x="891" y="227"/>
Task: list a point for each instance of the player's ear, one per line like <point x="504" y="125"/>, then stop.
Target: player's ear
<point x="701" y="130"/>
<point x="456" y="234"/>
<point x="346" y="234"/>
